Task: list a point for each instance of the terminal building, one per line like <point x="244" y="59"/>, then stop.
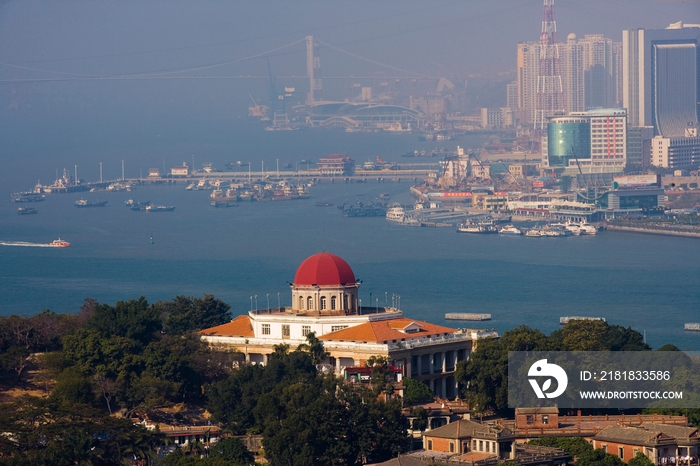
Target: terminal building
<point x="325" y="301"/>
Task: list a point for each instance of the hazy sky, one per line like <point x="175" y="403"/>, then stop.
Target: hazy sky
<point x="162" y="39"/>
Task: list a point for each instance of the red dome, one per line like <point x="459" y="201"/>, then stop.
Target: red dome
<point x="324" y="269"/>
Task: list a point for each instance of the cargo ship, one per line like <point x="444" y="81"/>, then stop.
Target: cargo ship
<point x="26" y="211"/>
<point x="28" y="196"/>
<point x="159" y="208"/>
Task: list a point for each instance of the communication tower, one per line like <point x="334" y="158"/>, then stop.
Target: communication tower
<point x="549" y="86"/>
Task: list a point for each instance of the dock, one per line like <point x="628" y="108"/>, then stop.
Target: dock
<point x="567" y="319"/>
<point x="466" y="316"/>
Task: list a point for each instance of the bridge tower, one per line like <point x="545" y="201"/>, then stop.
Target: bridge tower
<point x="549" y="93"/>
<point x="313" y="69"/>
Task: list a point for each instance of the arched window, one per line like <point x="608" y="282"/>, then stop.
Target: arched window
<point x="310" y="303"/>
<point x="345" y="301"/>
<point x="323" y="302"/>
<point x="301" y="303"/>
<point x="333" y="300"/>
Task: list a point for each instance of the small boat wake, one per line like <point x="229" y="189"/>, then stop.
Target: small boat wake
<point x="25" y="244"/>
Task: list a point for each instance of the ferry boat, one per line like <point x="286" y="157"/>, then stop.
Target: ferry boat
<point x="535" y="233"/>
<point x="510" y="230"/>
<point x="396" y="213"/>
<point x="26" y="210"/>
<point x="480" y="227"/>
<point x="28" y="196"/>
<point x="466" y="316"/>
<point x="59" y="243"/>
<point x="587" y="228"/>
<point x="86" y="203"/>
<point x="567" y="319"/>
<point x="692" y="326"/>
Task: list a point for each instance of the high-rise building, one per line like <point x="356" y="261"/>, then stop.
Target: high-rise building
<point x="660" y="78"/>
<point x="572" y="75"/>
<point x="594" y="141"/>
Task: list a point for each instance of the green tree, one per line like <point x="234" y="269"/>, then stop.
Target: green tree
<point x="416" y="391"/>
<point x="184" y="314"/>
<point x="232" y="449"/>
<point x="133" y="319"/>
<point x="640" y="459"/>
<point x="314" y="347"/>
<point x="598" y="457"/>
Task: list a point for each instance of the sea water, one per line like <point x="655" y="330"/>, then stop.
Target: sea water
<point x="247" y="255"/>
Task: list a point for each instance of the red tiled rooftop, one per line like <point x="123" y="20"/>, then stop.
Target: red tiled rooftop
<point x="386" y="331"/>
<point x="238" y="327"/>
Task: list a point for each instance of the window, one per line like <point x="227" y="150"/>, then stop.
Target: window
<point x="333" y="302"/>
<point x="452" y="447"/>
<point x="265" y="329"/>
<point x="323" y="302"/>
<point x="474" y="447"/>
<point x="545" y="419"/>
<point x="310" y="303"/>
<point x="430" y="444"/>
<point x="481" y="445"/>
<point x="488" y="446"/>
<point x="335" y="328"/>
<point x="621" y="452"/>
<point x="285" y="330"/>
<point x="529" y="419"/>
<point x="301" y="303"/>
<point x="305" y="330"/>
<point x="345" y="302"/>
<point x="605" y="448"/>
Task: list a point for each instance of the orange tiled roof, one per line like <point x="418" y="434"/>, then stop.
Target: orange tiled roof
<point x="387" y="330"/>
<point x="238" y="327"/>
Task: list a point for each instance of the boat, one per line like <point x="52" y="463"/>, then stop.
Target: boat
<point x="86" y="203"/>
<point x="324" y="204"/>
<point x="397" y="127"/>
<point x="510" y="230"/>
<point x="535" y="232"/>
<point x="466" y="316"/>
<point x="159" y="208"/>
<point x="133" y="203"/>
<point x="396" y="213"/>
<point x="28" y="196"/>
<point x="59" y="243"/>
<point x="567" y="319"/>
<point x="587" y="228"/>
<point x="27" y="210"/>
<point x="480" y="227"/>
<point x="692" y="326"/>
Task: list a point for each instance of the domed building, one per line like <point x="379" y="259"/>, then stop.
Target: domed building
<point x="325" y="301"/>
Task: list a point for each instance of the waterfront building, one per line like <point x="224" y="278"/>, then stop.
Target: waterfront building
<point x="496" y="117"/>
<point x="182" y="170"/>
<point x="336" y="164"/>
<point x="361" y="115"/>
<point x="326" y="301"/>
<point x="593" y="141"/>
<point x="660" y="78"/>
<point x="681" y="152"/>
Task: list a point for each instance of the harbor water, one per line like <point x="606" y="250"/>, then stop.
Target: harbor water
<point x="246" y="255"/>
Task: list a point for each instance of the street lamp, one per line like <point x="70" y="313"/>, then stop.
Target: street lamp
<point x="386" y="298"/>
<point x="279" y="306"/>
<point x="251" y="302"/>
<point x="256" y="302"/>
<point x="268" y="300"/>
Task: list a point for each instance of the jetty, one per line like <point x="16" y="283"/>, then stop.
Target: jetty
<point x="466" y="316"/>
<point x="565" y="320"/>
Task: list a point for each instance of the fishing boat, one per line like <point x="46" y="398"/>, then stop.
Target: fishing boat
<point x="59" y="243"/>
<point x="27" y="210"/>
<point x="480" y="227"/>
<point x="535" y="232"/>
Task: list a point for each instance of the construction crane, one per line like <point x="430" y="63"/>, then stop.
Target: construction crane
<point x="573" y="152"/>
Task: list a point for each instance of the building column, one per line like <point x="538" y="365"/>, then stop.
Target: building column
<point x="337" y="366"/>
<point x="444" y="361"/>
<point x="407" y="366"/>
<point x="419" y="364"/>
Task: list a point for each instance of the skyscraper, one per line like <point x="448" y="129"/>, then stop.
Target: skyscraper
<point x="660" y="78"/>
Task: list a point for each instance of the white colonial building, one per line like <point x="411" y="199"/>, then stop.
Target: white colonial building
<point x="325" y="301"/>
